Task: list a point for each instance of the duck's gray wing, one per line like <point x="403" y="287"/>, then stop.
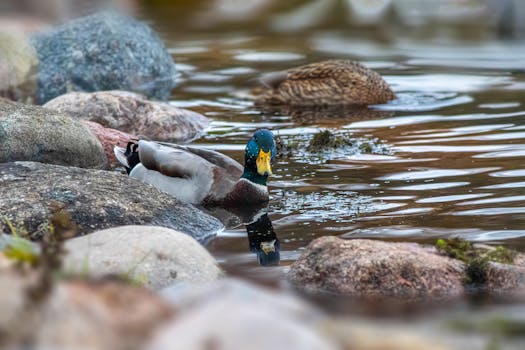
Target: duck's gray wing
<point x="230" y="166"/>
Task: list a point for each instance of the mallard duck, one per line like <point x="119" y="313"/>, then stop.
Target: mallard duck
<point x="201" y="176"/>
<point x="327" y="83"/>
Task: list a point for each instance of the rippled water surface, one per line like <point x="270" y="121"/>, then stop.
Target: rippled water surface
<point x="455" y="139"/>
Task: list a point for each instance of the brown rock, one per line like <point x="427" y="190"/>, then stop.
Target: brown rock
<point x="132" y="113"/>
<point x="109" y="138"/>
<point x="505" y="280"/>
<point x="377" y="270"/>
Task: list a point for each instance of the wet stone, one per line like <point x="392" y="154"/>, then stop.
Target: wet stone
<point x="95" y="200"/>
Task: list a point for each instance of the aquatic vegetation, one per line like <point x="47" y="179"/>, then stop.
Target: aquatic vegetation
<point x="476" y="258"/>
<point x="326" y="144"/>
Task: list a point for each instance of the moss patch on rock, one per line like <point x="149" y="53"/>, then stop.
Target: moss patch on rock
<point x="476" y="258"/>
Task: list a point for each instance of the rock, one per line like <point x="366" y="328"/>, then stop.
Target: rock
<point x="228" y="314"/>
<point x="78" y="315"/>
<point x="18" y="68"/>
<point x="157" y="256"/>
<point x="22" y="25"/>
<point x="34" y="133"/>
<point x="505" y="280"/>
<point x="377" y="270"/>
<point x="104" y="51"/>
<point x="109" y="138"/>
<point x="132" y="113"/>
<point x="95" y="200"/>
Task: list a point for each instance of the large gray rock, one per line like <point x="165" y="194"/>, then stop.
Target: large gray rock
<point x="132" y="113"/>
<point x="18" y="68"/>
<point x="95" y="200"/>
<point x="104" y="51"/>
<point x="377" y="270"/>
<point x="230" y="314"/>
<point x="37" y="134"/>
<point x="155" y="256"/>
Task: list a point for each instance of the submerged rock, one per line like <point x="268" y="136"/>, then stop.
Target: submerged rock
<point x="18" y="68"/>
<point x="377" y="270"/>
<point x="32" y="133"/>
<point x="229" y="314"/>
<point x="154" y="256"/>
<point x="104" y="51"/>
<point x="327" y="83"/>
<point x="95" y="200"/>
<point x="132" y="113"/>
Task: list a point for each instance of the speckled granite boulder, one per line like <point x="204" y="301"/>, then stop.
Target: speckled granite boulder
<point x="104" y="51"/>
<point x="95" y="200"/>
<point x="32" y="133"/>
<point x="154" y="256"/>
<point x="377" y="270"/>
<point x="132" y="113"/>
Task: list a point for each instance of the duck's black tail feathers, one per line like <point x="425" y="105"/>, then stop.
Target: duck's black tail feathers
<point x="129" y="156"/>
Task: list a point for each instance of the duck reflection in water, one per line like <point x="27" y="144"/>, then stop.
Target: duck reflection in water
<point x="263" y="241"/>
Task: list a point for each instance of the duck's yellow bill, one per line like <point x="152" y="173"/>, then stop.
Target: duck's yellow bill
<point x="263" y="163"/>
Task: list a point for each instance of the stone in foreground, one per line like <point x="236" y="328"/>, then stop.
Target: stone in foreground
<point x="104" y="51"/>
<point x="95" y="200"/>
<point x="377" y="270"/>
<point x="32" y="133"/>
<point x="132" y="113"/>
<point x="229" y="314"/>
<point x="77" y="314"/>
<point x="154" y="256"/>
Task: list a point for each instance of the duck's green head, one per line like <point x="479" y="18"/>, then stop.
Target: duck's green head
<point x="259" y="156"/>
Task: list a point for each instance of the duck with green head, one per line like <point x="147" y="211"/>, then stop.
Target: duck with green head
<point x="201" y="176"/>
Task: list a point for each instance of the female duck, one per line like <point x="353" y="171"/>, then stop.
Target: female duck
<point x="327" y="83"/>
<point x="200" y="176"/>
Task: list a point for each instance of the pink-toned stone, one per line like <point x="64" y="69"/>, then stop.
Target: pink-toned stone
<point x="109" y="138"/>
<point x="77" y="314"/>
<point x="132" y="113"/>
<point x="377" y="270"/>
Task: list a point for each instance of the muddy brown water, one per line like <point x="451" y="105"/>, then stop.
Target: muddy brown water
<point x="456" y="136"/>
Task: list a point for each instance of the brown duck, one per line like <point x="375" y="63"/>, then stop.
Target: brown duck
<point x="327" y="83"/>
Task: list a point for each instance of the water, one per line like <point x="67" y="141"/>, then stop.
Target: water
<point x="455" y="136"/>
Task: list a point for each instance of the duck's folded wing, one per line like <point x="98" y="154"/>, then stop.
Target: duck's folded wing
<point x="171" y="161"/>
<point x="231" y="167"/>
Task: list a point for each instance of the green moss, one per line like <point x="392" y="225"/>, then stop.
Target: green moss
<point x="476" y="259"/>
